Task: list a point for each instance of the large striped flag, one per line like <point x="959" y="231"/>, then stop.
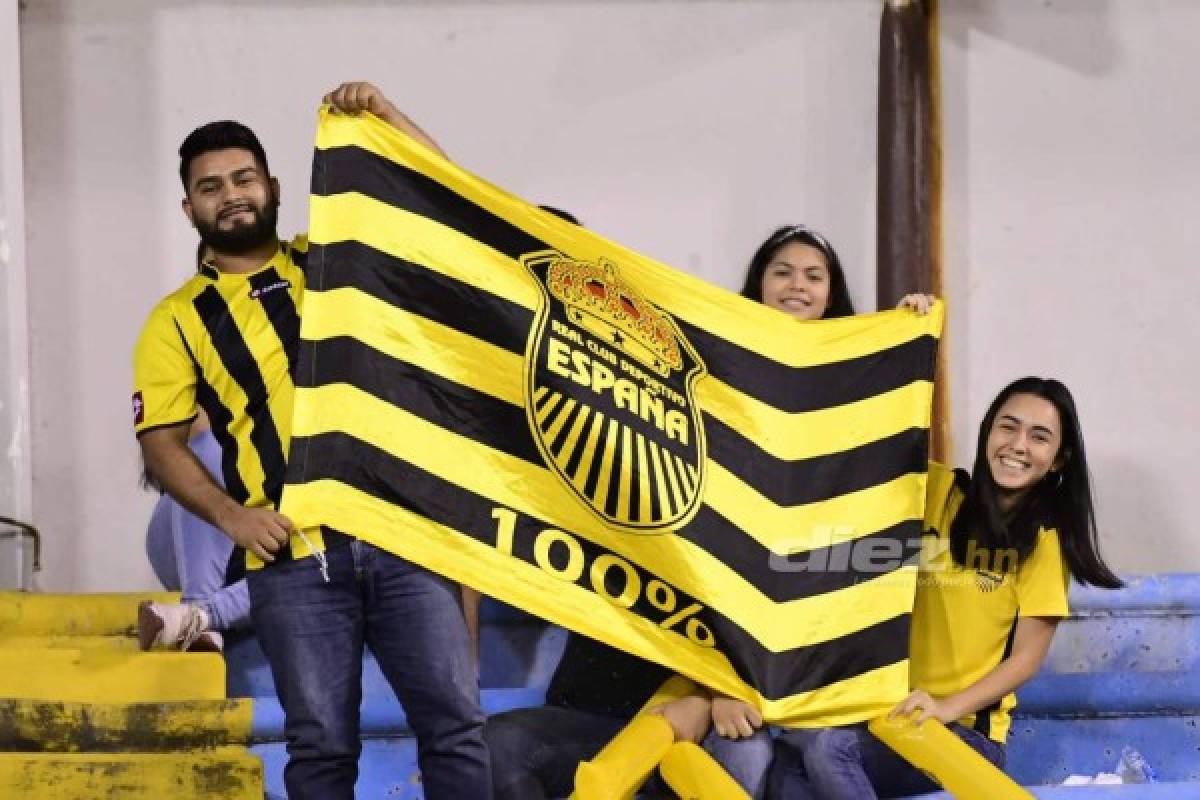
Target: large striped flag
<point x="604" y="441"/>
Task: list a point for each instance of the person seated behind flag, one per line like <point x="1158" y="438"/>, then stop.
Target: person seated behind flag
<point x="192" y="556"/>
<point x="992" y="588"/>
<point x="594" y="693"/>
<point x="795" y="270"/>
<point x="597" y="689"/>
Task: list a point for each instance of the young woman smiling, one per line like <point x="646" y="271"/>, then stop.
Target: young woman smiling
<point x="797" y="271"/>
<point x="1004" y="542"/>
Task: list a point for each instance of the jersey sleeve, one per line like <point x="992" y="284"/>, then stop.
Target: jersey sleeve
<point x="164" y="375"/>
<point x="1042" y="580"/>
<point x="298" y="250"/>
<point x="940" y="490"/>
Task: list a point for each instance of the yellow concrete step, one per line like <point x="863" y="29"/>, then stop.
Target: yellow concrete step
<point x="24" y="613"/>
<point x="126" y="642"/>
<point x="99" y="676"/>
<point x="223" y="774"/>
<point x="58" y="727"/>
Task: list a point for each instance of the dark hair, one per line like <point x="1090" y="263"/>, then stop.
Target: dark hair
<point x="558" y="212"/>
<point x="1062" y="499"/>
<point x="839" y="304"/>
<point x="221" y="135"/>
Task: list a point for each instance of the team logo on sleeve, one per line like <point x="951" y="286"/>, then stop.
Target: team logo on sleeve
<point x="139" y="408"/>
<point x="609" y="382"/>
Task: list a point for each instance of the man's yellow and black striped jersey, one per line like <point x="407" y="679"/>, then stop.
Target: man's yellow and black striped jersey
<point x="228" y="344"/>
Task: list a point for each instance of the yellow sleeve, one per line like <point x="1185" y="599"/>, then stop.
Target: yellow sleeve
<point x="939" y="492"/>
<point x="1042" y="579"/>
<point x="164" y="374"/>
<point x="299" y="243"/>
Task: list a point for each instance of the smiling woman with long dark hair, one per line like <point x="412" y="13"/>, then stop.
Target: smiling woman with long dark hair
<point x="1002" y="545"/>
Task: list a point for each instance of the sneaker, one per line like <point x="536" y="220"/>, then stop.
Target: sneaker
<point x="177" y="626"/>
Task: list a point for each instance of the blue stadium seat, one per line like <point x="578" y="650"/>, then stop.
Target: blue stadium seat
<point x="1123" y="671"/>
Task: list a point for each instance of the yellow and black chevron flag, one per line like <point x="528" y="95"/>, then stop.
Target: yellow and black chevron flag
<point x="604" y="441"/>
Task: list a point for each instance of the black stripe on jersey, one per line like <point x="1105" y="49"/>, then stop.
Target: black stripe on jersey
<point x="983" y="717"/>
<point x="219" y="420"/>
<point x="281" y="310"/>
<point x="159" y="427"/>
<point x="239" y="362"/>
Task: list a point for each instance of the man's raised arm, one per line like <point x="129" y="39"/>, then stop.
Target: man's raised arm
<point x="357" y="96"/>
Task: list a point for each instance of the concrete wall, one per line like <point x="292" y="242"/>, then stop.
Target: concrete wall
<point x="15" y="454"/>
<point x="687" y="130"/>
<point x="1072" y="196"/>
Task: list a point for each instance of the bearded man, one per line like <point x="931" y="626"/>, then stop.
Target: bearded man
<point x="227" y="342"/>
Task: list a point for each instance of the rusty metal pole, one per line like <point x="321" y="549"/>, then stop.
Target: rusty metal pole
<point x="909" y="202"/>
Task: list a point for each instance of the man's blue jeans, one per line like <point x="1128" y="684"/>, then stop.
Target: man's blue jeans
<point x="851" y="764"/>
<point x="313" y="633"/>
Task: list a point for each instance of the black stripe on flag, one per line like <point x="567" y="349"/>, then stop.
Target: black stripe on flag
<point x="813" y="572"/>
<point x="502" y="426"/>
<point x="419" y="290"/>
<point x="239" y="362"/>
<point x="810" y="480"/>
<point x="360" y="465"/>
<point x="814" y="666"/>
<point x="441" y="299"/>
<point x="352" y="169"/>
<point x="797" y="389"/>
<point x="457" y="408"/>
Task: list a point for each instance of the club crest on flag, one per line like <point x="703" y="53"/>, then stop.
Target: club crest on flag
<point x="609" y="382"/>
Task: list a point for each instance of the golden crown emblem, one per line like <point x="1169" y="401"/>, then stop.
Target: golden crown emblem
<point x="600" y="302"/>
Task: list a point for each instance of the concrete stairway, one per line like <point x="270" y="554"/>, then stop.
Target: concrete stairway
<point x="84" y="714"/>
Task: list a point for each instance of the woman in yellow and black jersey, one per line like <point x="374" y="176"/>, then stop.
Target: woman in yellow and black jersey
<point x="1001" y="547"/>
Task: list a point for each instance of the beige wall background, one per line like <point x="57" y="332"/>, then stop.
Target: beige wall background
<point x="686" y="130"/>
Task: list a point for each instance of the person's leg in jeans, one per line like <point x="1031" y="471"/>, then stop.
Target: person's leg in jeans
<point x="892" y="776"/>
<point x="190" y="555"/>
<point x="746" y="760"/>
<point x="312" y="634"/>
<point x="851" y="764"/>
<point x="415" y="627"/>
<point x="787" y="778"/>
<point x="202" y="555"/>
<point x="535" y="751"/>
